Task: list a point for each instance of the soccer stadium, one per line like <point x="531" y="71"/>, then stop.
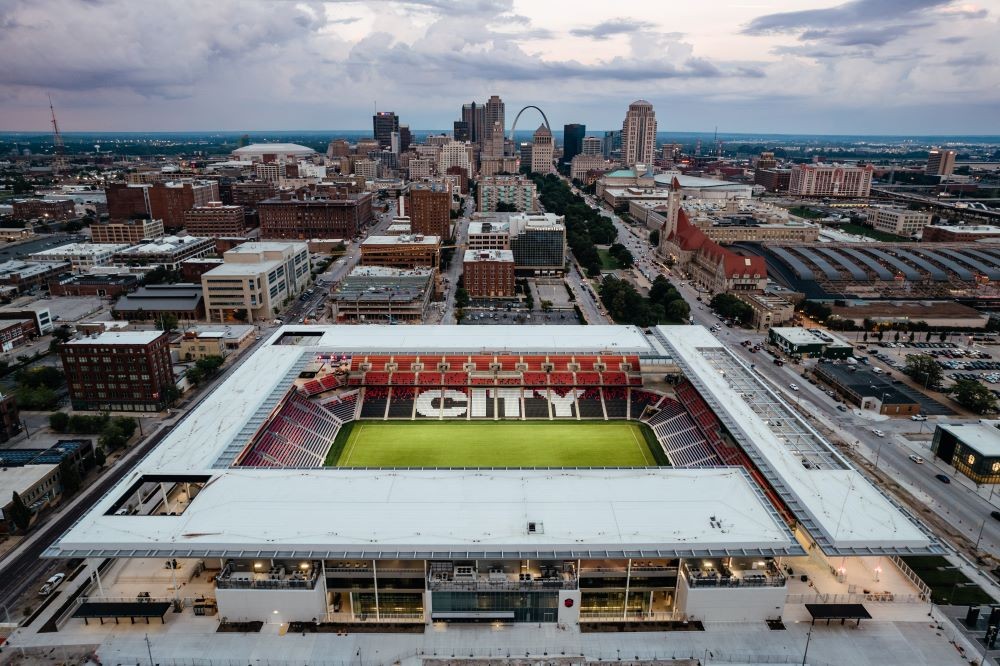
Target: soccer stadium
<point x="579" y="475"/>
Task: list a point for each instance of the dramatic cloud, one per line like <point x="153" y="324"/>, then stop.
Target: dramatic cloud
<point x="322" y="64"/>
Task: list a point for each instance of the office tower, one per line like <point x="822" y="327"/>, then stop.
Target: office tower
<point x="766" y="160"/>
<point x="940" y="162"/>
<point x="394" y="143"/>
<point x="338" y="148"/>
<point x="474" y="115"/>
<point x="493" y="142"/>
<point x="542" y="147"/>
<point x="454" y="154"/>
<point x="461" y="131"/>
<point x="429" y="208"/>
<point x="639" y="134"/>
<point x="572" y="141"/>
<point x="384" y="123"/>
<point x="591" y="145"/>
<point x="612" y="143"/>
<point x="494" y="113"/>
<point x="831" y="180"/>
<point x="405" y="138"/>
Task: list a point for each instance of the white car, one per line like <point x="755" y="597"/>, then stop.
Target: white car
<point x="917" y="459"/>
<point x="794" y="387"/>
<point x="918" y="417"/>
<point x="51" y="584"/>
<point x="878" y="433"/>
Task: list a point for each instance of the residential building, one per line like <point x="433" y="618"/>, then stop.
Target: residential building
<point x="216" y="220"/>
<point x="384" y="123"/>
<point x="368" y="169"/>
<point x="941" y="162"/>
<point x="572" y="141"/>
<point x="490" y="233"/>
<point x="127" y="201"/>
<point x="405" y="251"/>
<point x="542" y="149"/>
<point x="538" y="243"/>
<point x="27" y="275"/>
<point x="379" y="294"/>
<point x="119" y="371"/>
<point x="428" y="206"/>
<point x="830" y="180"/>
<point x="639" y="134"/>
<point x="102" y="286"/>
<point x="591" y="145"/>
<point x="340" y="217"/>
<point x="248" y="194"/>
<point x="455" y="154"/>
<point x="168" y="252"/>
<point x="168" y="200"/>
<point x="488" y="273"/>
<point x="898" y="221"/>
<point x="126" y="231"/>
<point x="183" y="301"/>
<point x="517" y="191"/>
<point x="271" y="172"/>
<point x="255" y="280"/>
<point x="773" y="180"/>
<point x="81" y="256"/>
<point x="420" y="168"/>
<point x="46" y="210"/>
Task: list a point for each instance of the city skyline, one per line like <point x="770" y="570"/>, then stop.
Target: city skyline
<point x="876" y="67"/>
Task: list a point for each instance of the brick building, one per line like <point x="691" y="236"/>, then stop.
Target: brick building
<point x="26" y="275"/>
<point x="215" y="220"/>
<point x="10" y="417"/>
<point x="101" y="286"/>
<point x="248" y="194"/>
<point x="403" y="251"/>
<point x="15" y="332"/>
<point x="183" y="301"/>
<point x="489" y="273"/>
<point x="429" y="209"/>
<point x="44" y="209"/>
<point x="119" y="371"/>
<point x="128" y="232"/>
<point x="341" y="217"/>
<point x="166" y="201"/>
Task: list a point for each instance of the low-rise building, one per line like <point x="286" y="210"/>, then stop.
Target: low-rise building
<point x="582" y="165"/>
<point x="37" y="486"/>
<point x="39" y="314"/>
<point x="936" y="314"/>
<point x="488" y="233"/>
<point x="488" y="273"/>
<point x="409" y="251"/>
<point x="26" y="275"/>
<point x="15" y="332"/>
<point x="377" y="295"/>
<point x="127" y="232"/>
<point x="119" y="371"/>
<point x="899" y="221"/>
<point x="81" y="256"/>
<point x="46" y="210"/>
<point x="254" y="280"/>
<point x="185" y="302"/>
<point x="102" y="286"/>
<point x="768" y="310"/>
<point x="193" y="269"/>
<point x="860" y="386"/>
<point x="809" y="342"/>
<point x="10" y="417"/>
<point x="168" y="252"/>
<point x="940" y="233"/>
<point x="204" y="340"/>
<point x="342" y="216"/>
<point x="971" y="448"/>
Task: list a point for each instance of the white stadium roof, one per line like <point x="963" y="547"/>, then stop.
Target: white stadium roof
<point x="464" y="512"/>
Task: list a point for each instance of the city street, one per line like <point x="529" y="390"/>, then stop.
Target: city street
<point x="449" y="281"/>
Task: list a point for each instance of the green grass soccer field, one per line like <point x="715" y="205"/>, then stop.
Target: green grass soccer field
<point x="494" y="444"/>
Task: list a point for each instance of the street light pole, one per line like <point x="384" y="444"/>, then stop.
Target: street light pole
<point x="805" y="653"/>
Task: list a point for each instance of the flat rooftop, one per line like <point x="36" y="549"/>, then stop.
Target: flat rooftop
<point x="405" y="239"/>
<point x="119" y="338"/>
<point x="983" y="436"/>
<point x="383" y="513"/>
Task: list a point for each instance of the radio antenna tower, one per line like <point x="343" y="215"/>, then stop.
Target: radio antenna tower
<point x="59" y="148"/>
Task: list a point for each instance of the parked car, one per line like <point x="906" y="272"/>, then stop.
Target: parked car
<point x="51" y="584"/>
<point x="842" y="408"/>
<point x="995" y="515"/>
<point x="918" y="417"/>
<point x="942" y="478"/>
<point x="917" y="459"/>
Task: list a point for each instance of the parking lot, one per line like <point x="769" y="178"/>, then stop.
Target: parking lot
<point x="956" y="362"/>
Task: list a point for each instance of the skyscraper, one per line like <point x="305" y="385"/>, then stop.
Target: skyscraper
<point x="493" y="142"/>
<point x="591" y="145"/>
<point x="572" y="141"/>
<point x="494" y="114"/>
<point x="474" y="115"/>
<point x="940" y="162"/>
<point x="405" y="138"/>
<point x="461" y="131"/>
<point x="639" y="134"/>
<point x="541" y="150"/>
<point x="384" y="123"/>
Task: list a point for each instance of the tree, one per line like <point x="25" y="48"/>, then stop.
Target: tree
<point x="100" y="457"/>
<point x="112" y="438"/>
<point x="973" y="395"/>
<point x="70" y="477"/>
<point x="19" y="513"/>
<point x="459" y="315"/>
<point x="58" y="421"/>
<point x="923" y="369"/>
<point x="167" y="322"/>
<point x="171" y="394"/>
<point x="731" y="307"/>
<point x="654" y="237"/>
<point x="546" y="306"/>
<point x="679" y="310"/>
<point x="943" y="336"/>
<point x="43" y="376"/>
<point x="461" y="298"/>
<point x="41" y="398"/>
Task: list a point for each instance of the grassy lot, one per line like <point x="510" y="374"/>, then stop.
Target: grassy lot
<point x="493" y="444"/>
<point x="947" y="583"/>
<point x="608" y="262"/>
<point x="862" y="230"/>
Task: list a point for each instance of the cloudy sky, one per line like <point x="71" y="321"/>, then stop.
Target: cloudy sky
<point x="816" y="66"/>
